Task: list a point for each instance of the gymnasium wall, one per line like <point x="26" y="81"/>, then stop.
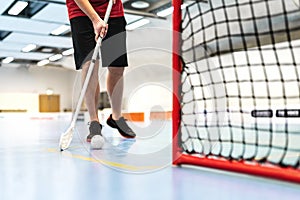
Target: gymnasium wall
<point x="20" y="86"/>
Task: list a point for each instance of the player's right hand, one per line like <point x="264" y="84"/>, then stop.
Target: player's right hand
<point x="100" y="29"/>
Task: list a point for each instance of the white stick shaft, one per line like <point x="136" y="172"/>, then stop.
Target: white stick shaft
<point x="91" y="67"/>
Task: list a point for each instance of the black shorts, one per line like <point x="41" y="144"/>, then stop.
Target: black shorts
<point x="113" y="49"/>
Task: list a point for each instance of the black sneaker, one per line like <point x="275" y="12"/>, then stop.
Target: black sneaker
<point x="95" y="129"/>
<point x="122" y="127"/>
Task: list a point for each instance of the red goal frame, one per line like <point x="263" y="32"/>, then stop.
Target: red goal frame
<point x="269" y="171"/>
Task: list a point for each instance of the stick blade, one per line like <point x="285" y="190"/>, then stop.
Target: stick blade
<point x="66" y="138"/>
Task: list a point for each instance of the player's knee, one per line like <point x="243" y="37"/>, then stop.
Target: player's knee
<point x="116" y="71"/>
<point x="86" y="65"/>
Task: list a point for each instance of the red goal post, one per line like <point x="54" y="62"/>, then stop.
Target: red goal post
<point x="179" y="158"/>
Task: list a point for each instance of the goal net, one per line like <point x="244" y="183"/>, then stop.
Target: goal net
<point x="236" y="79"/>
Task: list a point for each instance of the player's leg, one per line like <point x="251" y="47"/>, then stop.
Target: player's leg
<point x="115" y="86"/>
<point x="97" y="97"/>
<point x="84" y="43"/>
<point x="92" y="91"/>
<point x="114" y="55"/>
<point x="91" y="100"/>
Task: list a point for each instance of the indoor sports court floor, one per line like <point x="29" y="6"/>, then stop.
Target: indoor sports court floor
<point x="32" y="167"/>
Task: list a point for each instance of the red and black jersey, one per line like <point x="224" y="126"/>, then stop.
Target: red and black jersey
<point x="99" y="6"/>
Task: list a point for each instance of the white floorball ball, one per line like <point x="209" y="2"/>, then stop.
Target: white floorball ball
<point x="97" y="142"/>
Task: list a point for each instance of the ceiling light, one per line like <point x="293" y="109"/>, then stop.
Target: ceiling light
<point x="137" y="24"/>
<point x="55" y="57"/>
<point x="68" y="52"/>
<point x="29" y="48"/>
<point x="61" y="30"/>
<point x="17" y="8"/>
<point x="140" y="4"/>
<point x="43" y="62"/>
<point x="7" y="60"/>
<point x="47" y="50"/>
<point x="49" y="91"/>
<point x="169" y="11"/>
<point x="165" y="12"/>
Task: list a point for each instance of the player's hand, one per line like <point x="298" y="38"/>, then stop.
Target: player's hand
<point x="100" y="29"/>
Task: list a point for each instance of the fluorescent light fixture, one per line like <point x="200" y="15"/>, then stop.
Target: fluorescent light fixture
<point x="7" y="60"/>
<point x="68" y="52"/>
<point x="49" y="91"/>
<point x="165" y="12"/>
<point x="55" y="57"/>
<point x="43" y="62"/>
<point x="137" y="24"/>
<point x="46" y="50"/>
<point x="140" y="4"/>
<point x="18" y="8"/>
<point x="61" y="30"/>
<point x="29" y="48"/>
<point x="169" y="11"/>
